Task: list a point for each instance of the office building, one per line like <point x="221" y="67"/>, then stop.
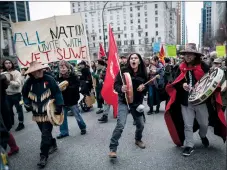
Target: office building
<point x="136" y="25"/>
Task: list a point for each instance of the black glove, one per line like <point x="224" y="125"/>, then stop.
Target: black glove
<point x="28" y="107"/>
<point x="58" y="110"/>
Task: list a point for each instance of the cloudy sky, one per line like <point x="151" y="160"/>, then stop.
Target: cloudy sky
<point x="40" y="10"/>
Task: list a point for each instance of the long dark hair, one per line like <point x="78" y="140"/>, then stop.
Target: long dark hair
<point x="4" y="67"/>
<point x="142" y="71"/>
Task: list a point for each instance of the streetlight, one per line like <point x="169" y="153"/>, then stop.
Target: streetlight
<point x="103" y="26"/>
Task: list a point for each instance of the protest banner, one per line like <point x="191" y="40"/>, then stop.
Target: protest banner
<point x="156" y="47"/>
<point x="220" y="49"/>
<point x="51" y="39"/>
<point x="171" y="50"/>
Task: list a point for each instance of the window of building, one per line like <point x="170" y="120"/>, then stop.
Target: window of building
<point x="85" y="20"/>
<point x="124" y="21"/>
<point x="138" y="21"/>
<point x="156" y="12"/>
<point x="156" y="33"/>
<point x="125" y="28"/>
<point x="140" y="49"/>
<point x="78" y="4"/>
<point x="156" y="25"/>
<point x="119" y="43"/>
<point x="130" y="3"/>
<point x="159" y="39"/>
<point x="138" y="2"/>
<point x="131" y="15"/>
<point x="145" y="13"/>
<point x="155" y="6"/>
<point x="139" y="27"/>
<point x="145" y="19"/>
<point x="73" y="10"/>
<point x="124" y="9"/>
<point x="139" y="34"/>
<point x="106" y="37"/>
<point x="131" y="21"/>
<point x="124" y="16"/>
<point x="146" y="40"/>
<point x="125" y="35"/>
<point x="78" y="9"/>
<point x="100" y="37"/>
<point x="156" y="18"/>
<point x="145" y="7"/>
<point x="85" y="14"/>
<point x="146" y="33"/>
<point x="93" y="44"/>
<point x="152" y="39"/>
<point x="72" y="4"/>
<point x="146" y="26"/>
<point x="131" y="9"/>
<point x="125" y="50"/>
<point x="125" y="42"/>
<point x="119" y="36"/>
<point x="99" y="30"/>
<point x="132" y="35"/>
<point x="131" y="27"/>
<point x="138" y="14"/>
<point x="132" y="42"/>
<point x="118" y="28"/>
<point x="111" y="17"/>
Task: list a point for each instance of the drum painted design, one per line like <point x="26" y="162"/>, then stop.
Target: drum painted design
<point x="51" y="114"/>
<point x="205" y="87"/>
<point x="129" y="93"/>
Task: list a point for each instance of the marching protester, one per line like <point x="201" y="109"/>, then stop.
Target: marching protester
<point x="101" y="66"/>
<point x="137" y="70"/>
<point x="155" y="87"/>
<point x="71" y="96"/>
<point x="5" y="120"/>
<point x="37" y="91"/>
<point x="182" y="118"/>
<point x="14" y="92"/>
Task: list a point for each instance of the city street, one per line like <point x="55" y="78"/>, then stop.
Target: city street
<point x="90" y="152"/>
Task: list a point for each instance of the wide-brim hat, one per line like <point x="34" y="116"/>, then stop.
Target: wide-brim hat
<point x="35" y="66"/>
<point x="218" y="61"/>
<point x="191" y="48"/>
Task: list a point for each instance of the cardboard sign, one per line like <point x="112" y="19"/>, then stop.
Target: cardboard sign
<point x="171" y="50"/>
<point x="220" y="51"/>
<point x="51" y="39"/>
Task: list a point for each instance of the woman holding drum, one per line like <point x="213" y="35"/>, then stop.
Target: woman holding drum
<point x="183" y="117"/>
<point x="134" y="76"/>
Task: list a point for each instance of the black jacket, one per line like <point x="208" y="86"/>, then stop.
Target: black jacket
<point x="136" y="81"/>
<point x="71" y="95"/>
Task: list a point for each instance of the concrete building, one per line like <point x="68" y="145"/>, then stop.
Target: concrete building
<point x="183" y="24"/>
<point x="178" y="15"/>
<point x="136" y="25"/>
<point x="14" y="11"/>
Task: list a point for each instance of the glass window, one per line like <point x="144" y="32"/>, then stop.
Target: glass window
<point x="99" y="30"/>
<point x="156" y="25"/>
<point x="145" y="19"/>
<point x="125" y="42"/>
<point x="131" y="15"/>
<point x="156" y="5"/>
<point x="125" y="28"/>
<point x="124" y="10"/>
<point x="100" y="37"/>
<point x="125" y="35"/>
<point x="146" y="26"/>
<point x="73" y="10"/>
<point x="131" y="27"/>
<point x="139" y="34"/>
<point x="156" y="18"/>
<point x="72" y="4"/>
<point x="130" y="8"/>
<point x="93" y="44"/>
<point x="156" y="33"/>
<point x="138" y="14"/>
<point x="138" y="20"/>
<point x="132" y="35"/>
<point x="139" y="41"/>
<point x="139" y="27"/>
<point x="118" y="28"/>
<point x="131" y="21"/>
<point x="93" y="38"/>
<point x="146" y="33"/>
<point x="119" y="36"/>
<point x="145" y="7"/>
<point x="132" y="42"/>
<point x="145" y="13"/>
<point x="156" y="12"/>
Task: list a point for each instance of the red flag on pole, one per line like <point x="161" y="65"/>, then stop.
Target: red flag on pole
<point x="113" y="68"/>
<point x="162" y="55"/>
<point x="101" y="51"/>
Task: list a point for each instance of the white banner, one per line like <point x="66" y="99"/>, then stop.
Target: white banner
<point x="51" y="39"/>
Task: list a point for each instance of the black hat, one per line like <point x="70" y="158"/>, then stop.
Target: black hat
<point x="101" y="62"/>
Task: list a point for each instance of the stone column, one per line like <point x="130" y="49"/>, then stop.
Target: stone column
<point x="10" y="43"/>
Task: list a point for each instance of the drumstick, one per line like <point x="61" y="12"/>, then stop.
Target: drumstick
<point x="157" y="76"/>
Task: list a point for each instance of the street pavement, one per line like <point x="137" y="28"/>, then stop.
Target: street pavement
<point x="90" y="151"/>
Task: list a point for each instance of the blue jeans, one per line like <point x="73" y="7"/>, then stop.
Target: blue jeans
<point x="121" y="121"/>
<point x="74" y="109"/>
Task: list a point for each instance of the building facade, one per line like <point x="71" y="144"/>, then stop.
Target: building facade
<point x="183" y="24"/>
<point x="136" y="25"/>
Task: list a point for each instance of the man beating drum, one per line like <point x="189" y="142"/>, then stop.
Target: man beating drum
<point x="181" y="116"/>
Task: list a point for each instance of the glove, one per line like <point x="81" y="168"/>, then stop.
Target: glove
<point x="28" y="107"/>
<point x="58" y="110"/>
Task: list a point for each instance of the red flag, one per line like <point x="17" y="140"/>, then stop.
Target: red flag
<point x="113" y="68"/>
<point x="162" y="55"/>
<point x="101" y="51"/>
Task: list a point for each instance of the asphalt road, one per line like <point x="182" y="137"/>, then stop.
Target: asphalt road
<point x="90" y="152"/>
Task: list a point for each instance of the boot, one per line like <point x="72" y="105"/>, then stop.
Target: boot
<point x="150" y="112"/>
<point x="112" y="154"/>
<point x="99" y="111"/>
<point x="42" y="162"/>
<point x="19" y="127"/>
<point x="103" y="119"/>
<point x="140" y="144"/>
<point x="157" y="109"/>
<point x="13" y="146"/>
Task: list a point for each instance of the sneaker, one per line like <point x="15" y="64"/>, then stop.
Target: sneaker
<point x="187" y="151"/>
<point x="43" y="161"/>
<point x="112" y="154"/>
<point x="99" y="112"/>
<point x="83" y="132"/>
<point x="140" y="144"/>
<point x="62" y="136"/>
<point x="19" y="127"/>
<point x="205" y="142"/>
<point x="13" y="151"/>
<point x="103" y="119"/>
